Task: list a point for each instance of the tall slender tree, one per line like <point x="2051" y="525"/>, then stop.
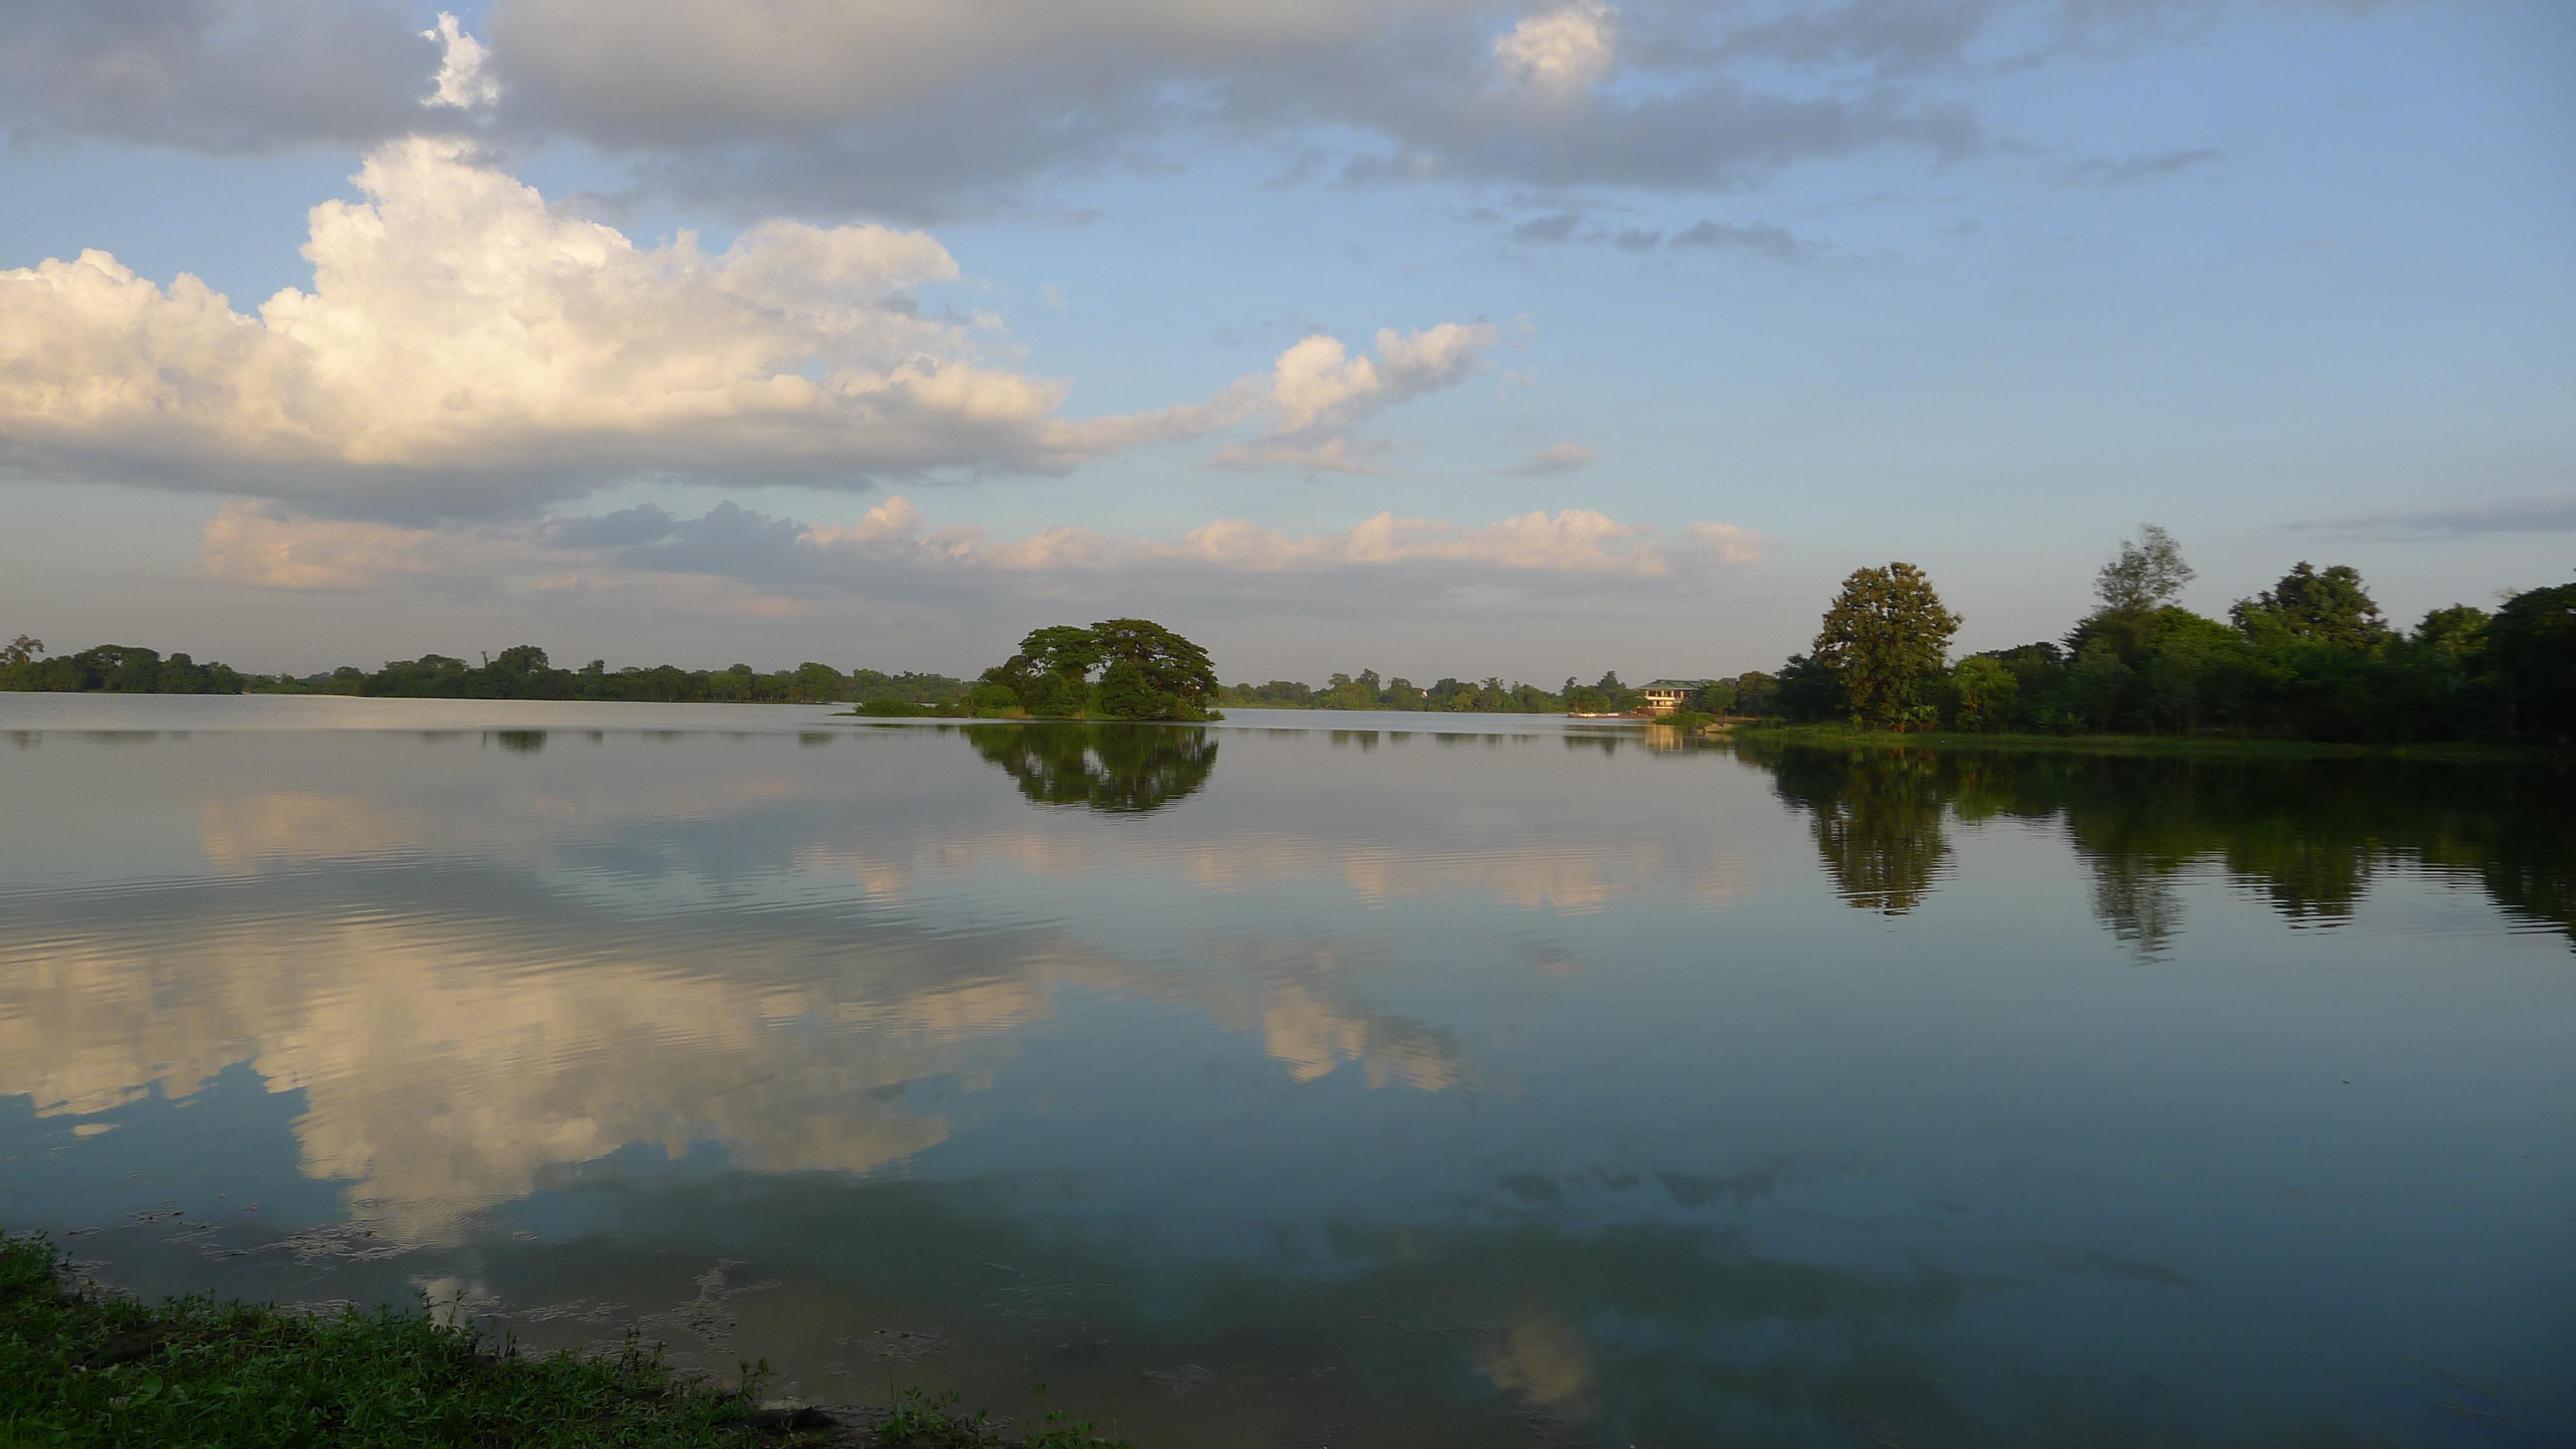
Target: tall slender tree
<point x="2148" y="573"/>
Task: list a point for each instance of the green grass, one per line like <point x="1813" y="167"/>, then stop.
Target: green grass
<point x="80" y="1367"/>
<point x="2235" y="745"/>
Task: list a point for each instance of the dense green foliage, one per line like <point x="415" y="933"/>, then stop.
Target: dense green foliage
<point x="112" y="668"/>
<point x="1449" y="696"/>
<point x="2310" y="658"/>
<point x="1144" y="672"/>
<point x="520" y="672"/>
<point x="87" y="1368"/>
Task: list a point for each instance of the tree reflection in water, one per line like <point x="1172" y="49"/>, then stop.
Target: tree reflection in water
<point x="2308" y="835"/>
<point x="1124" y="768"/>
<point x="1877" y="822"/>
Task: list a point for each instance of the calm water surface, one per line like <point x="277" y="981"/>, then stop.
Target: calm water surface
<point x="1324" y="1080"/>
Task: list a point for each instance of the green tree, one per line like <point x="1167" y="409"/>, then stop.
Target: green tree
<point x="1171" y="664"/>
<point x="1049" y="695"/>
<point x="816" y="683"/>
<point x="2147" y="574"/>
<point x="2531" y="646"/>
<point x="1127" y="692"/>
<point x="732" y="684"/>
<point x="1884" y="643"/>
<point x="1757" y="693"/>
<point x="2189" y="668"/>
<point x="1983" y="693"/>
<point x="1063" y="649"/>
<point x="2458" y="633"/>
<point x="991" y="698"/>
<point x="1343" y="692"/>
<point x="2096" y="685"/>
<point x="1807" y="690"/>
<point x="21" y="650"/>
<point x="2312" y="607"/>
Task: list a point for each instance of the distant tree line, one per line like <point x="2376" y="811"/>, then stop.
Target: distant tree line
<point x="1449" y="696"/>
<point x="111" y="668"/>
<point x="524" y="672"/>
<point x="2310" y="658"/>
<point x="520" y="672"/>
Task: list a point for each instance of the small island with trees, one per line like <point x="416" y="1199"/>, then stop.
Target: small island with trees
<point x="1117" y="669"/>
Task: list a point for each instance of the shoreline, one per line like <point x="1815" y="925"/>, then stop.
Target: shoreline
<point x="82" y="1363"/>
<point x="1846" y="736"/>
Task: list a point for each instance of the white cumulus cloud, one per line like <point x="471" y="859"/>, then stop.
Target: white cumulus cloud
<point x="1317" y="390"/>
<point x="462" y="82"/>
<point x="465" y="348"/>
<point x="1317" y="383"/>
<point x="1562" y="52"/>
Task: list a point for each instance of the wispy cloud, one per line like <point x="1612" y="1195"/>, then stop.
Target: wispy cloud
<point x="2546" y="514"/>
<point x="2130" y="170"/>
<point x="1556" y="458"/>
<point x="895" y="549"/>
<point x="1556" y="226"/>
<point x="1760" y="238"/>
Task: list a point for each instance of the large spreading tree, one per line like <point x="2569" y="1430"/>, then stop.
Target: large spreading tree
<point x="1145" y="672"/>
<point x="1885" y="642"/>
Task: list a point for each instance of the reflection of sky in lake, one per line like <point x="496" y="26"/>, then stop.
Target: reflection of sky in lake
<point x="1469" y="1082"/>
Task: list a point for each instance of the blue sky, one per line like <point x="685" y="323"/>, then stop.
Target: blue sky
<point x="1649" y="323"/>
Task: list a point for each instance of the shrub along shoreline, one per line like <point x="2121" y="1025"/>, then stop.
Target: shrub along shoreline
<point x="83" y="1366"/>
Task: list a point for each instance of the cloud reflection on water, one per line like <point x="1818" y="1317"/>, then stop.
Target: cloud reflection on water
<point x="743" y="993"/>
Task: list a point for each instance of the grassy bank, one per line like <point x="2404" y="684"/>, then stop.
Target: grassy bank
<point x="80" y="1366"/>
<point x="1847" y="736"/>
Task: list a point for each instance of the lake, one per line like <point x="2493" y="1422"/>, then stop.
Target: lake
<point x="1308" y="1080"/>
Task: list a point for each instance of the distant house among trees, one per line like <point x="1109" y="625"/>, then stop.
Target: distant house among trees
<point x="1663" y="696"/>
